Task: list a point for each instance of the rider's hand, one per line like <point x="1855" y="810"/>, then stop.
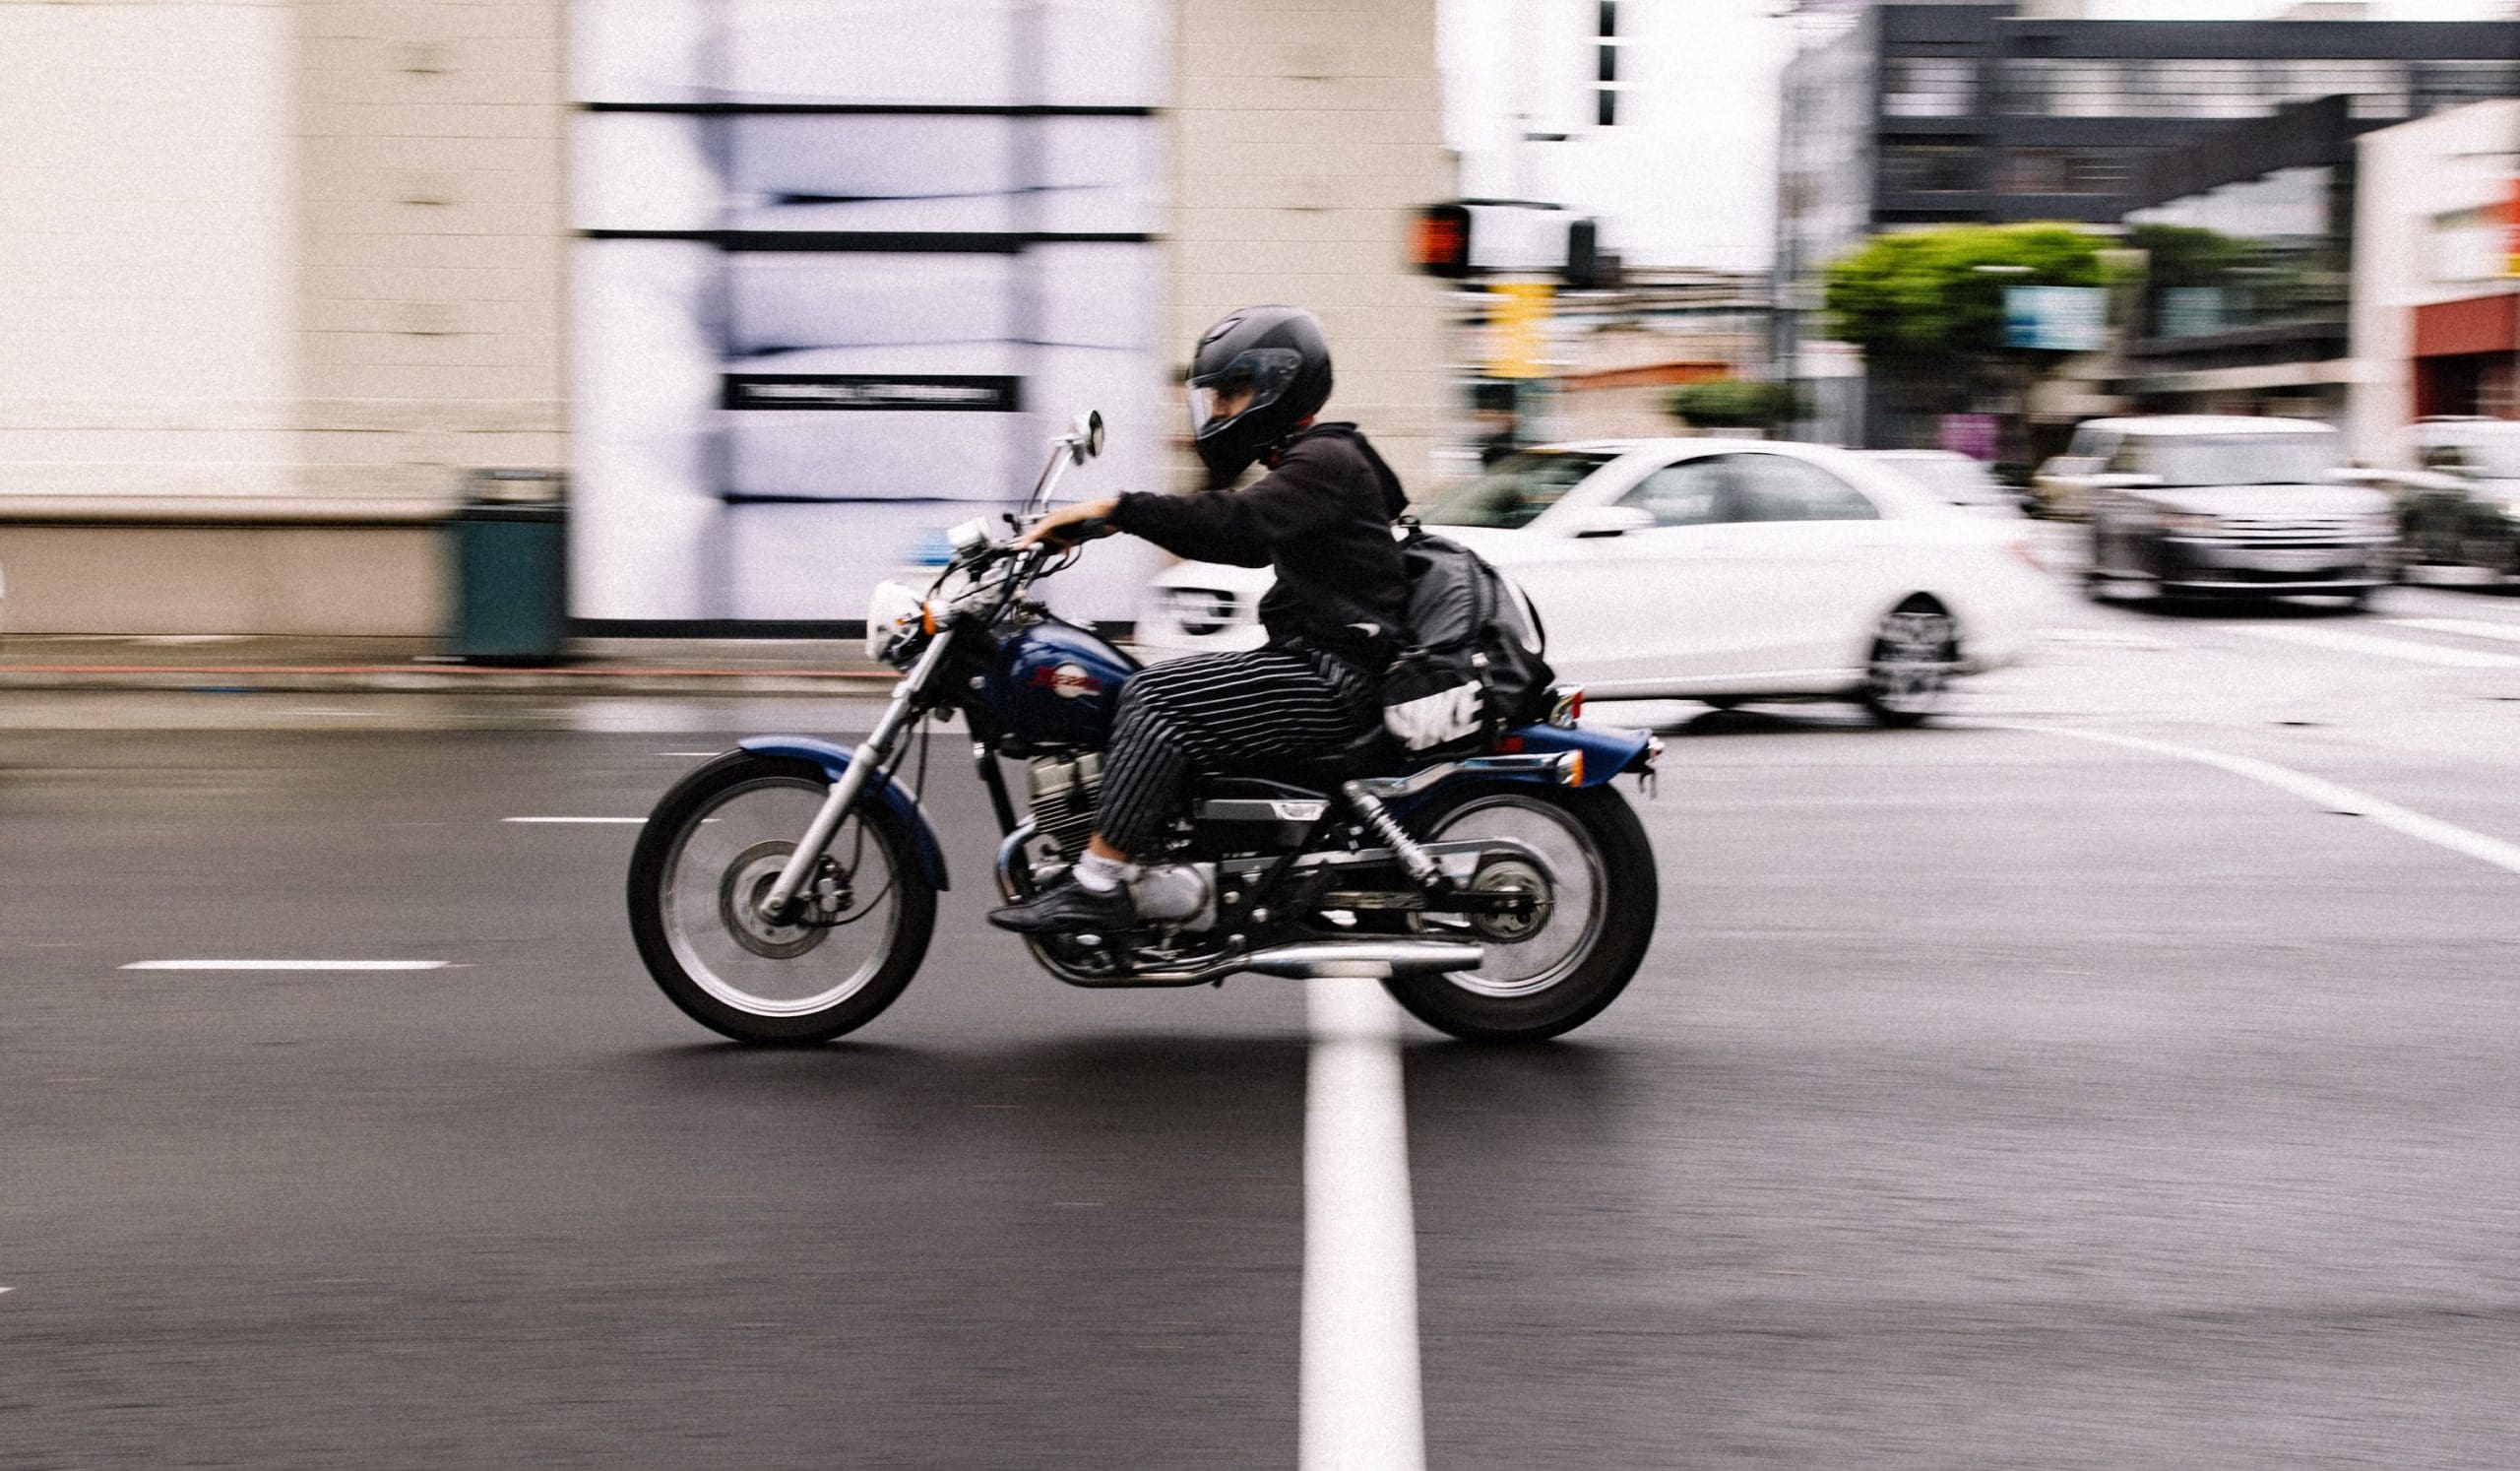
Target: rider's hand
<point x="1068" y="525"/>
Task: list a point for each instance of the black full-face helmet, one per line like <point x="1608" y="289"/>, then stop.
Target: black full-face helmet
<point x="1275" y="354"/>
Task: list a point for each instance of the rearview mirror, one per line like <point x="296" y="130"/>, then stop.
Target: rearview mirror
<point x="1609" y="520"/>
<point x="1085" y="439"/>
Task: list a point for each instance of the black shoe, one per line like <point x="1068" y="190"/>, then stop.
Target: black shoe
<point x="1071" y="908"/>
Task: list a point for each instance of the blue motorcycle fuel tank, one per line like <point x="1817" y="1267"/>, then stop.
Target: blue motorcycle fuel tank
<point x="1056" y="685"/>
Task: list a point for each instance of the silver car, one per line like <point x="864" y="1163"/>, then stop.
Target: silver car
<point x="2212" y="505"/>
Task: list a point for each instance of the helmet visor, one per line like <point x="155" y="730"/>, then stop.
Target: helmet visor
<point x="1256" y="378"/>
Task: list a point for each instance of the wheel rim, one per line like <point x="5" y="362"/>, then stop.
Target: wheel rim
<point x="1562" y="933"/>
<point x="1912" y="661"/>
<point x="725" y="858"/>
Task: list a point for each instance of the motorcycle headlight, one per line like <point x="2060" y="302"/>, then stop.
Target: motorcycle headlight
<point x="894" y="612"/>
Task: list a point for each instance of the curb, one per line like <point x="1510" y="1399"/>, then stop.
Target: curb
<point x="252" y="679"/>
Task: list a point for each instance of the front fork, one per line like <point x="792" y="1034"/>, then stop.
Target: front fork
<point x="863" y="763"/>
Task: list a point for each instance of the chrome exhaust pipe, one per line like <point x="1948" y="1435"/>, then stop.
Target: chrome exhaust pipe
<point x="1373" y="960"/>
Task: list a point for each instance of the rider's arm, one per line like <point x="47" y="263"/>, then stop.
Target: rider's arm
<point x="1238" y="527"/>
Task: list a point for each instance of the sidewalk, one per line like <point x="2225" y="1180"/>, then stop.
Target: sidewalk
<point x="595" y="667"/>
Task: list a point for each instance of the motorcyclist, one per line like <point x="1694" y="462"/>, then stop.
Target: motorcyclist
<point x="1321" y="519"/>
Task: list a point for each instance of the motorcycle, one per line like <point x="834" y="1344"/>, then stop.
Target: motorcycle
<point x="786" y="891"/>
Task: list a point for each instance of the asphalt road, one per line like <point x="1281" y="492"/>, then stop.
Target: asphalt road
<point x="1993" y="1097"/>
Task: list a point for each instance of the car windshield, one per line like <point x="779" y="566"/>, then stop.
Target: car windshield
<point x="2238" y="459"/>
<point x="1962" y="481"/>
<point x="1515" y="489"/>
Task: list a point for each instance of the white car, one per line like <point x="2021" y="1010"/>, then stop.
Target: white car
<point x="1709" y="569"/>
<point x="1965" y="483"/>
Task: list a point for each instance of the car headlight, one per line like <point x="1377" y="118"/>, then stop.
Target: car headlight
<point x="2188" y="523"/>
<point x="891" y="614"/>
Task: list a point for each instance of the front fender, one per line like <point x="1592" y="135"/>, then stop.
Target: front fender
<point x="835" y="759"/>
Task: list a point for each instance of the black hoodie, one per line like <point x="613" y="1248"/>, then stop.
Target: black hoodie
<point x="1321" y="517"/>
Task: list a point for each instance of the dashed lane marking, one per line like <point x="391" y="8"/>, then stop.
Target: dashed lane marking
<point x="2386" y="648"/>
<point x="2316" y="790"/>
<point x="1362" y="1407"/>
<point x="574" y="819"/>
<point x="2106" y="638"/>
<point x="2470" y="627"/>
<point x="287" y="965"/>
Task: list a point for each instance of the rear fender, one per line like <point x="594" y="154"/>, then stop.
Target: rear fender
<point x="1608" y="751"/>
<point x="833" y="760"/>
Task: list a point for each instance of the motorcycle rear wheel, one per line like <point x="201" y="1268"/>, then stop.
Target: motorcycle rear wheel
<point x="708" y="853"/>
<point x="1550" y="976"/>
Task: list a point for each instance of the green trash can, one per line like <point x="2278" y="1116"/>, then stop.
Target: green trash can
<point x="508" y="556"/>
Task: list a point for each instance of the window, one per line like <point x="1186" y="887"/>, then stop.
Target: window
<point x="2064" y="170"/>
<point x="1606" y="50"/>
<point x="1515" y="489"/>
<point x="2452" y="83"/>
<point x="1692" y="492"/>
<point x="2092" y="444"/>
<point x="1928" y="87"/>
<point x="2229" y="86"/>
<point x="2261" y="459"/>
<point x="1929" y="168"/>
<point x="1774" y="488"/>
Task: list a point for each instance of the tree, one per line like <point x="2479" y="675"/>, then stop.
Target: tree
<point x="1927" y="306"/>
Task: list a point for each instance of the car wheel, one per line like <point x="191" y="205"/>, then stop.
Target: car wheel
<point x="1914" y="653"/>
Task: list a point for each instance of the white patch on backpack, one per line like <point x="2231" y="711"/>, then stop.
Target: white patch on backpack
<point x="1431" y="720"/>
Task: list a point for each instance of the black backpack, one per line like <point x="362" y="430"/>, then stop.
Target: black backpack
<point x="1472" y="667"/>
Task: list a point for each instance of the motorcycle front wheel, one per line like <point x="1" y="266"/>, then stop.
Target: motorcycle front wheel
<point x="708" y="856"/>
<point x="1551" y="970"/>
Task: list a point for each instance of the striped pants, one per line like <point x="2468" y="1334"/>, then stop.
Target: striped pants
<point x="1215" y="713"/>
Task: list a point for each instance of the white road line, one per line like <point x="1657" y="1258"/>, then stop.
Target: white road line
<point x="691" y="753"/>
<point x="2316" y="790"/>
<point x="1361" y="1408"/>
<point x="287" y="965"/>
<point x="574" y="819"/>
<point x="2386" y="648"/>
<point x="2470" y="628"/>
<point x="2105" y="638"/>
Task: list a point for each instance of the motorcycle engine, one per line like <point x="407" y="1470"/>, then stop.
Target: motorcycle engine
<point x="1064" y="790"/>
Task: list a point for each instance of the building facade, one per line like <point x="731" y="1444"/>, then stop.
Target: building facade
<point x="2436" y="277"/>
<point x="283" y="272"/>
<point x="1910" y="115"/>
<point x="2242" y="246"/>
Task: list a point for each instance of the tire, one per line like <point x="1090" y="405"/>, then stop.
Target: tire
<point x="1913" y="654"/>
<point x="754" y="981"/>
<point x="2499" y="555"/>
<point x="1533" y="997"/>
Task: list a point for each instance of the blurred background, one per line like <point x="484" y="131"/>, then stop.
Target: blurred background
<point x="769" y="290"/>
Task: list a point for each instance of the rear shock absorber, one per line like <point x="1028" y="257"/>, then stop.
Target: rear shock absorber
<point x="1421" y="864"/>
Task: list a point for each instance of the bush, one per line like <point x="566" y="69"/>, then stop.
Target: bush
<point x="1733" y="404"/>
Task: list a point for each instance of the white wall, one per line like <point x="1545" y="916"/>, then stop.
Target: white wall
<point x="146" y="252"/>
<point x="1687" y="177"/>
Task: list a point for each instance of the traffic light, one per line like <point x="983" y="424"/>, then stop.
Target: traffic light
<point x="1443" y="240"/>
